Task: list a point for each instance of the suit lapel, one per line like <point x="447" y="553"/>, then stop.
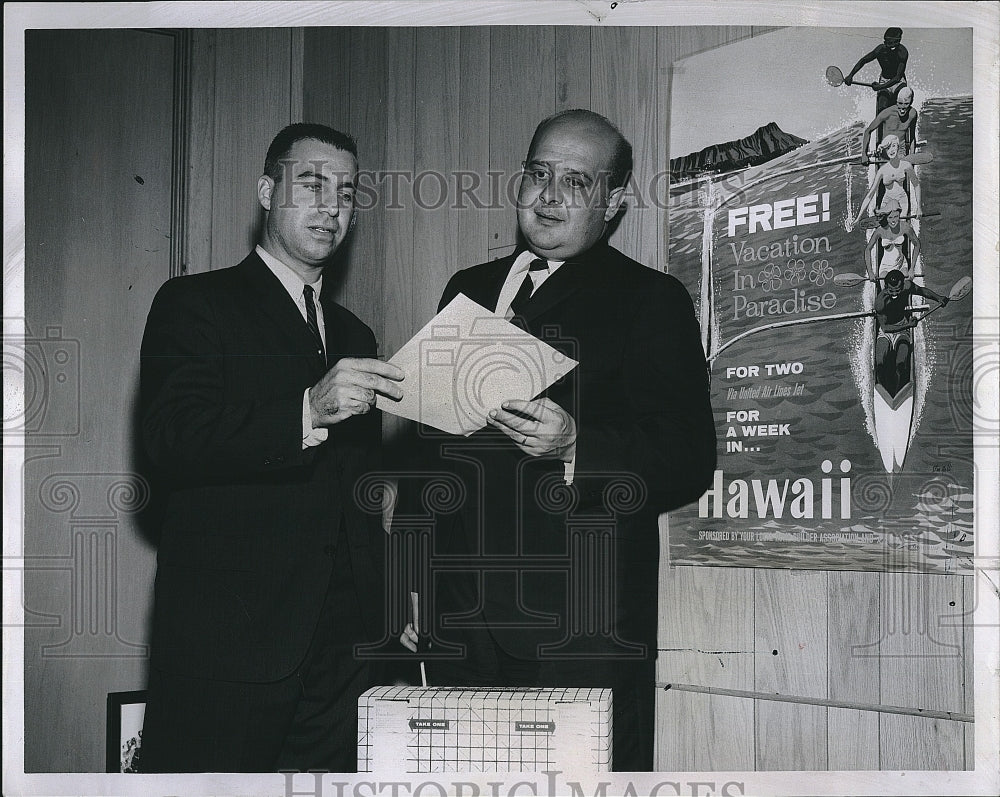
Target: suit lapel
<point x="487" y="293"/>
<point x="272" y="300"/>
<point x="572" y="276"/>
<point x="338" y="342"/>
<point x="556" y="289"/>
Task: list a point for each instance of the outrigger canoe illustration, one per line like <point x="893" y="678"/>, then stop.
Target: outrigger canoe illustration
<point x="897" y="358"/>
<point x="896" y="371"/>
<point x="892" y="397"/>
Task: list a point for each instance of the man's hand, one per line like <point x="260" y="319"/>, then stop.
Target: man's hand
<point x="350" y="388"/>
<point x="848" y="81"/>
<point x="410" y="638"/>
<point x="539" y="428"/>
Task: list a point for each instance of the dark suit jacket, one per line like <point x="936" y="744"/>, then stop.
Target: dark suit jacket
<point x="252" y="521"/>
<point x="646" y="444"/>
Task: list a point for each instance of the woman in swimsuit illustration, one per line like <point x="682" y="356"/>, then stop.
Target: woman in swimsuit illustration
<point x="900" y="244"/>
<point x="895" y="176"/>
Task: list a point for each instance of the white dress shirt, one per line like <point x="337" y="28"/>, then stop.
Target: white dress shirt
<point x="509" y="290"/>
<point x="516" y="276"/>
<point x="293" y="283"/>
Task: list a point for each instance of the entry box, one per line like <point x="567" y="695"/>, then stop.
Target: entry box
<point x="496" y="729"/>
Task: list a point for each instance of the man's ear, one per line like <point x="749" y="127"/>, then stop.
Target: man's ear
<point x="615" y="201"/>
<point x="265" y="188"/>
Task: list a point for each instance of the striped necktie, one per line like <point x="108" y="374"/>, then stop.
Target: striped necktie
<point x="307" y="293"/>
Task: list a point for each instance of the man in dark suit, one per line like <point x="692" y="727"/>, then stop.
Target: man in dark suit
<point x="550" y="564"/>
<point x="256" y="396"/>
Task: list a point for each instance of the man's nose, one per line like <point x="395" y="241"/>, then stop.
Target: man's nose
<point x="550" y="192"/>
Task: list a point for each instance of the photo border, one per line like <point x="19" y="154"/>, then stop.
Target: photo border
<point x="983" y="17"/>
<point x="116" y="700"/>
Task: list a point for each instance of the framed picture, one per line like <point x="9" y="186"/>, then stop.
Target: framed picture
<point x="124" y="740"/>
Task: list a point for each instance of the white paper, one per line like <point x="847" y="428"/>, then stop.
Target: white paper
<point x="465" y="362"/>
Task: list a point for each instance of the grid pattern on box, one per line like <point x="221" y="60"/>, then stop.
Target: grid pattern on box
<point x="441" y="729"/>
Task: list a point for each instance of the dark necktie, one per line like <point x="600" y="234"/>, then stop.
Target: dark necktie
<point x="523" y="295"/>
<point x="307" y="292"/>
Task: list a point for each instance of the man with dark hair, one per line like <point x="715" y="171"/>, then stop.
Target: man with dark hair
<point x="256" y="391"/>
<point x="891" y="56"/>
<point x="894" y="345"/>
<point x="552" y="560"/>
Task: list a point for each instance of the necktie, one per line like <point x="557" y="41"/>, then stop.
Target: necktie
<point x="523" y="295"/>
<point x="307" y="293"/>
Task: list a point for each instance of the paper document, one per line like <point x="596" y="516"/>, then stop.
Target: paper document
<point x="465" y="362"/>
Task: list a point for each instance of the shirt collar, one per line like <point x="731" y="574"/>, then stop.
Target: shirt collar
<point x="523" y="261"/>
<point x="291" y="281"/>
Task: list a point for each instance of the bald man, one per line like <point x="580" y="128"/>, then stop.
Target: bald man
<point x="549" y="567"/>
<point x="899" y="120"/>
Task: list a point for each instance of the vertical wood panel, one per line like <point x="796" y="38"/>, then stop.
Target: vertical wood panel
<point x="522" y="81"/>
<point x="684" y="40"/>
<point x="346" y="86"/>
<point x="296" y="77"/>
<point x="921" y="667"/>
<point x="474" y="147"/>
<point x="921" y="653"/>
<point x="326" y="89"/>
<point x="853" y="739"/>
<point x="99" y="158"/>
<point x="921" y="743"/>
<point x="201" y="152"/>
<point x="703" y="733"/>
<point x="623" y="69"/>
<point x="396" y="195"/>
<point x="791" y="619"/>
<point x="852" y="642"/>
<point x="361" y="267"/>
<point x="790" y="736"/>
<point x="573" y="55"/>
<point x="437" y="133"/>
<point x="706" y="639"/>
<point x="252" y="104"/>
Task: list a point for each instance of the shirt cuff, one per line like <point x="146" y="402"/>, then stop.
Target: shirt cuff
<point x="310" y="436"/>
<point x="569" y="468"/>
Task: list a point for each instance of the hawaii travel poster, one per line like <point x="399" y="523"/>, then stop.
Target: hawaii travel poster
<point x="842" y="392"/>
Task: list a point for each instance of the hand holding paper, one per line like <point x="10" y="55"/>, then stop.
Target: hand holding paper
<point x="350" y="388"/>
<point x="539" y="428"/>
<point x="468" y="361"/>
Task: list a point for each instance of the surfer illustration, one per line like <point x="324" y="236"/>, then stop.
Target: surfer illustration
<point x="898" y="241"/>
<point x="894" y="177"/>
<point x="899" y="120"/>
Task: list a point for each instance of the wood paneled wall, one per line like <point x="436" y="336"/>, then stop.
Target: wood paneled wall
<point x="238" y="100"/>
<point x="99" y="109"/>
<point x="871" y="639"/>
<point x="453" y="109"/>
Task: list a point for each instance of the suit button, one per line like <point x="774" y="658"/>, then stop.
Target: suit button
<point x="267" y="462"/>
